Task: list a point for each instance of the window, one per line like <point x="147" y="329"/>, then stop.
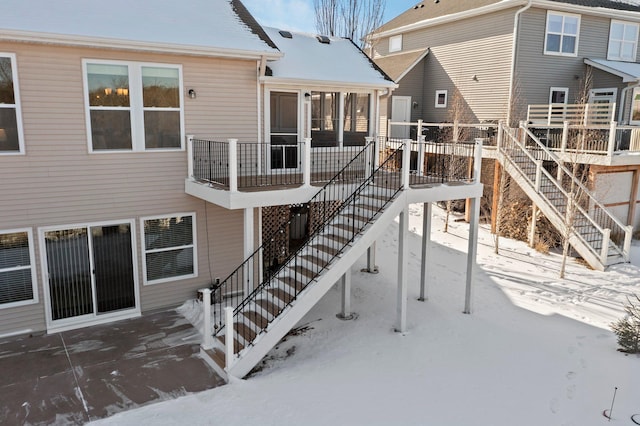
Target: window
<point x="623" y="41"/>
<point x="395" y="43"/>
<point x="441" y="99"/>
<point x="133" y="106"/>
<point x="356" y="118"/>
<point x="603" y="96"/>
<point x="17" y="269"/>
<point x="169" y="248"/>
<point x="558" y="95"/>
<point x="10" y="121"/>
<point x="324" y="119"/>
<point x="561" y="36"/>
<point x="635" y="107"/>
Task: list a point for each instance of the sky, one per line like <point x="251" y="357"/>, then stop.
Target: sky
<point x="297" y="15"/>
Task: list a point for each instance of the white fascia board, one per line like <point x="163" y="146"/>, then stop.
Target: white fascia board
<point x="138" y="46"/>
<point x="495" y="7"/>
<point x="626" y="78"/>
<point x="623" y="15"/>
<point x="416" y="62"/>
<point x="334" y="85"/>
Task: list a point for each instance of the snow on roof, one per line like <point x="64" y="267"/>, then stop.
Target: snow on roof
<point x="202" y="24"/>
<point x="628" y="71"/>
<point x="339" y="62"/>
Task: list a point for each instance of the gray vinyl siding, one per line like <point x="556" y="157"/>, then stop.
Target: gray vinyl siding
<point x="459" y="50"/>
<point x="59" y="183"/>
<point x="412" y="85"/>
<point x="537" y="72"/>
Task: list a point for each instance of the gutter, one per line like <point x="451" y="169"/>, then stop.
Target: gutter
<point x="132" y="45"/>
<point x="285" y="81"/>
<point x="514" y="51"/>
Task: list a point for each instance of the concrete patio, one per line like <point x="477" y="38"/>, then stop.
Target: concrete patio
<point x="82" y="375"/>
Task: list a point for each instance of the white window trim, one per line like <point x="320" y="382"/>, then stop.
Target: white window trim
<point x="610" y="57"/>
<point x="634" y="92"/>
<point x="446" y="98"/>
<point x="32" y="267"/>
<point x="17" y="105"/>
<point x="136" y="105"/>
<point x="546" y="27"/>
<point x="395" y="43"/>
<point x="145" y="251"/>
<point x="593" y="93"/>
<point x="559" y="89"/>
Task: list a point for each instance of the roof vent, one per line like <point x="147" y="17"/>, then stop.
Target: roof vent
<point x="286" y="34"/>
<point x="323" y="39"/>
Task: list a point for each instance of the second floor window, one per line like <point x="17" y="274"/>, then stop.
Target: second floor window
<point x="395" y="43"/>
<point x="133" y="106"/>
<point x="623" y="41"/>
<point x="10" y="125"/>
<point x="561" y="36"/>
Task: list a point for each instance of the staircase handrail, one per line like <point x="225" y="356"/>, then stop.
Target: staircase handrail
<point x="369" y="146"/>
<point x="576" y="181"/>
<point x="320" y="228"/>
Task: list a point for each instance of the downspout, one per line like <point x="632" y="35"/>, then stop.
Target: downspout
<point x="623" y="95"/>
<point x="516" y="24"/>
<point x="262" y="68"/>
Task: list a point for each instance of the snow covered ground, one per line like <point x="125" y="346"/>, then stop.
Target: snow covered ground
<point x="537" y="350"/>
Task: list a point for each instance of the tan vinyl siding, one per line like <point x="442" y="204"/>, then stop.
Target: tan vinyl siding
<point x="459" y="50"/>
<point x="559" y="71"/>
<point x="59" y="183"/>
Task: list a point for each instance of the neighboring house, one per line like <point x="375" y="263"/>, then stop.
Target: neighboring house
<point x="147" y="149"/>
<point x="483" y="61"/>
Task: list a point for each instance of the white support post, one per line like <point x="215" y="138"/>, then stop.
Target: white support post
<point x="586" y="115"/>
<point x="612" y="138"/>
<point x="538" y="175"/>
<point x="190" y="156"/>
<point x="376" y="153"/>
<point x="471" y="253"/>
<point x="500" y="135"/>
<point x="421" y="148"/>
<point x="370" y="156"/>
<point x="606" y="237"/>
<point x="426" y="240"/>
<point x="371" y="268"/>
<point x="406" y="163"/>
<point x="306" y="163"/>
<point x="626" y="248"/>
<point x="565" y="136"/>
<point x="401" y="307"/>
<point x="477" y="161"/>
<point x="233" y="165"/>
<point x="207" y="332"/>
<point x="228" y="337"/>
<point x="534" y="222"/>
<point x="249" y="237"/>
<point x="388" y="128"/>
<point x="345" y="284"/>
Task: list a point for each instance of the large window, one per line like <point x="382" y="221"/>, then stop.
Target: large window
<point x="561" y="37"/>
<point x="356" y="118"/>
<point x="324" y="119"/>
<point x="17" y="273"/>
<point x="133" y="106"/>
<point x="10" y="124"/>
<point x="169" y="248"/>
<point x="623" y="41"/>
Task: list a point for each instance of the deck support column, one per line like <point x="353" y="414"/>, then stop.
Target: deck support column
<point x="534" y="223"/>
<point x="345" y="284"/>
<point x="371" y="268"/>
<point x="248" y="250"/>
<point x="401" y="311"/>
<point x="426" y="240"/>
<point x="471" y="253"/>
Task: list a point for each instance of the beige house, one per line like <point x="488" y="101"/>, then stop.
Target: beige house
<point x="177" y="147"/>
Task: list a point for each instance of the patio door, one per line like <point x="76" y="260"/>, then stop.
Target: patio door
<point x="284" y="131"/>
<point x="90" y="273"/>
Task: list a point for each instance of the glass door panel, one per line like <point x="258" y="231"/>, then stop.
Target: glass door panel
<point x="284" y="130"/>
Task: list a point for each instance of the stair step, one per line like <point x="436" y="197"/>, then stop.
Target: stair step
<point x="218" y="357"/>
<point x="281" y="294"/>
<point x="338" y="238"/>
<point x="293" y="283"/>
<point x="319" y="261"/>
<point x="352" y="217"/>
<point x="237" y="346"/>
<point x="247" y="333"/>
<point x="256" y="318"/>
<point x="326" y="249"/>
<point x="272" y="308"/>
<point x="301" y="270"/>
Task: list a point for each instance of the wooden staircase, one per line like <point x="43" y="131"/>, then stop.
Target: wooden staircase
<point x="598" y="236"/>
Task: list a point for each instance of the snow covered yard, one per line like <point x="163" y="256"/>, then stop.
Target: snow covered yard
<point x="536" y="350"/>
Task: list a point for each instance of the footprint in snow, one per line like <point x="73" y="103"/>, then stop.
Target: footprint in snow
<point x="571" y="391"/>
<point x="571" y="375"/>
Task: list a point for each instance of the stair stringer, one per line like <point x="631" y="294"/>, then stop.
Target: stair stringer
<point x="249" y="357"/>
<point x="550" y="213"/>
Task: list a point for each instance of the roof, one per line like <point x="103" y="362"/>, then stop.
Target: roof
<point x="340" y="62"/>
<point x="397" y="66"/>
<point x="198" y="25"/>
<point x="428" y="10"/>
<point x="628" y="71"/>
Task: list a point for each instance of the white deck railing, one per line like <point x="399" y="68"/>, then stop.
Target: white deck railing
<point x="576" y="114"/>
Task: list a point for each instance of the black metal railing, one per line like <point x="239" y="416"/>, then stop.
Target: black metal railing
<point x="326" y="162"/>
<point x="272" y="254"/>
<point x="262" y="164"/>
<point x="211" y="162"/>
<point x="341" y="219"/>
